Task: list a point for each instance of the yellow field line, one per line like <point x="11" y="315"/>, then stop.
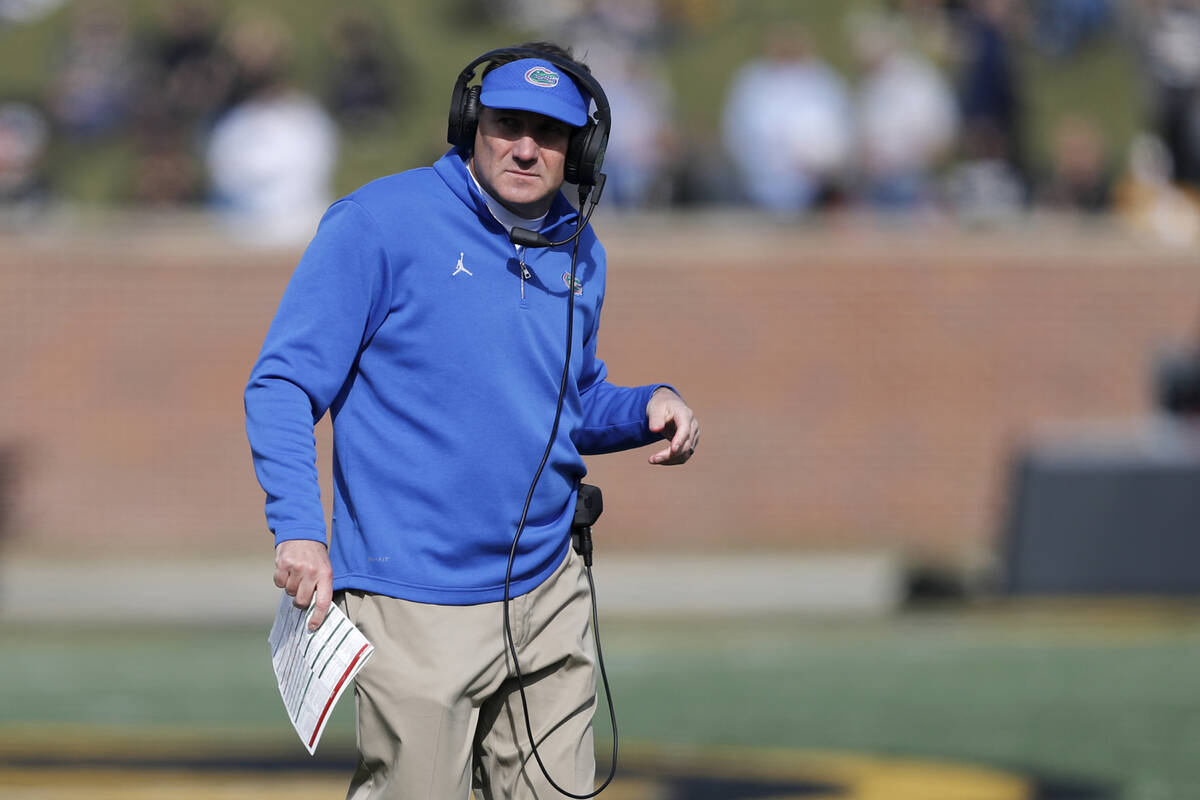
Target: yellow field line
<point x="859" y="777"/>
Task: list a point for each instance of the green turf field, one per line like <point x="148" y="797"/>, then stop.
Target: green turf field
<point x="1103" y="698"/>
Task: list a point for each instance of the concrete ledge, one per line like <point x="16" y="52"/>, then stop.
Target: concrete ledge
<point x="734" y="585"/>
<point x="627" y="585"/>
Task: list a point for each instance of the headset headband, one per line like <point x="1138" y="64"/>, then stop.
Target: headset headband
<point x="581" y="76"/>
<point x="585" y="150"/>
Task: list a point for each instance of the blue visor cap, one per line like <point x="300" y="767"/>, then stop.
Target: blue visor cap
<point x="531" y="84"/>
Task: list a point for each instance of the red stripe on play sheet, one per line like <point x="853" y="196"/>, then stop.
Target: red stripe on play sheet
<point x="334" y="693"/>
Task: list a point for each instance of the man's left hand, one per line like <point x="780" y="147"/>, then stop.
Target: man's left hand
<point x="669" y="415"/>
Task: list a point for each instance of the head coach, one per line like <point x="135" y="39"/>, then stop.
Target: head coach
<point x="437" y="339"/>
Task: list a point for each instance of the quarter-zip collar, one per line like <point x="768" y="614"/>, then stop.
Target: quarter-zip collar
<point x="452" y="167"/>
<point x="503" y="215"/>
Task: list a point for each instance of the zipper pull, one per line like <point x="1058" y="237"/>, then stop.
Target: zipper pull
<point x="525" y="273"/>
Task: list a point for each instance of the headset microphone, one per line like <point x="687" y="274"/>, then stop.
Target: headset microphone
<point x="584" y="157"/>
<point x="524" y="237"/>
<point x="527" y="238"/>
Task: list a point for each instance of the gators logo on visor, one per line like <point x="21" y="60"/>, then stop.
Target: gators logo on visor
<point x="541" y="76"/>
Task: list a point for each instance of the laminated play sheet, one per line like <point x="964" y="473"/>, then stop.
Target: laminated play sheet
<point x="313" y="668"/>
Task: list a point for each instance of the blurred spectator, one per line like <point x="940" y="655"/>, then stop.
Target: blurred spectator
<point x="906" y="116"/>
<point x="187" y="79"/>
<point x="1171" y="51"/>
<point x="1150" y="203"/>
<point x="982" y="188"/>
<point x="188" y="74"/>
<point x="92" y="88"/>
<point x="24" y="189"/>
<point x="271" y="157"/>
<point x="787" y="125"/>
<point x="990" y="90"/>
<point x="620" y="42"/>
<point x="643" y="146"/>
<point x="988" y="183"/>
<point x="366" y="78"/>
<point x="1177" y="382"/>
<point x="1080" y="175"/>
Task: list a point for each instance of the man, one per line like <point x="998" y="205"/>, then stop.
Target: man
<point x="437" y="347"/>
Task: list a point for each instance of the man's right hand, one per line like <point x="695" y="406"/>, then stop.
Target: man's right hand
<point x="302" y="568"/>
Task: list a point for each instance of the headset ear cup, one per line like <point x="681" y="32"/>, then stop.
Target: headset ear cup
<point x="571" y="164"/>
<point x="464" y="116"/>
<point x="454" y="117"/>
<point x="585" y="153"/>
<point x="470" y="118"/>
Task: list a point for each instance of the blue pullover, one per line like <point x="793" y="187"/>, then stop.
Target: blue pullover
<point x="411" y="321"/>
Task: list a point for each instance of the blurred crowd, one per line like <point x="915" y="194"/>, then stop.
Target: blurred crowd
<point x="209" y="105"/>
<point x="928" y="119"/>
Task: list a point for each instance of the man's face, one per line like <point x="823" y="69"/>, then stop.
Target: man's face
<point x="519" y="158"/>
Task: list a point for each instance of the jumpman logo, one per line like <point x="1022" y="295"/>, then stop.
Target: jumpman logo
<point x="461" y="268"/>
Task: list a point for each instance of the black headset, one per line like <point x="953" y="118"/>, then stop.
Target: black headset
<point x="585" y="149"/>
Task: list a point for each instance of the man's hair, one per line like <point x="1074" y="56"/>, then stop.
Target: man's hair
<point x="549" y="48"/>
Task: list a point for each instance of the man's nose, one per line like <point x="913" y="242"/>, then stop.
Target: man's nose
<point x="525" y="149"/>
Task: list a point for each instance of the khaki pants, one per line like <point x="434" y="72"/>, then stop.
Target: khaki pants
<point x="438" y="707"/>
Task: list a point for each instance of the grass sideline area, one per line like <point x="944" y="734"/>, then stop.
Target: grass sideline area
<point x="1100" y="694"/>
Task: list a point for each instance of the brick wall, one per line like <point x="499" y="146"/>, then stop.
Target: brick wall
<point x="857" y="387"/>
